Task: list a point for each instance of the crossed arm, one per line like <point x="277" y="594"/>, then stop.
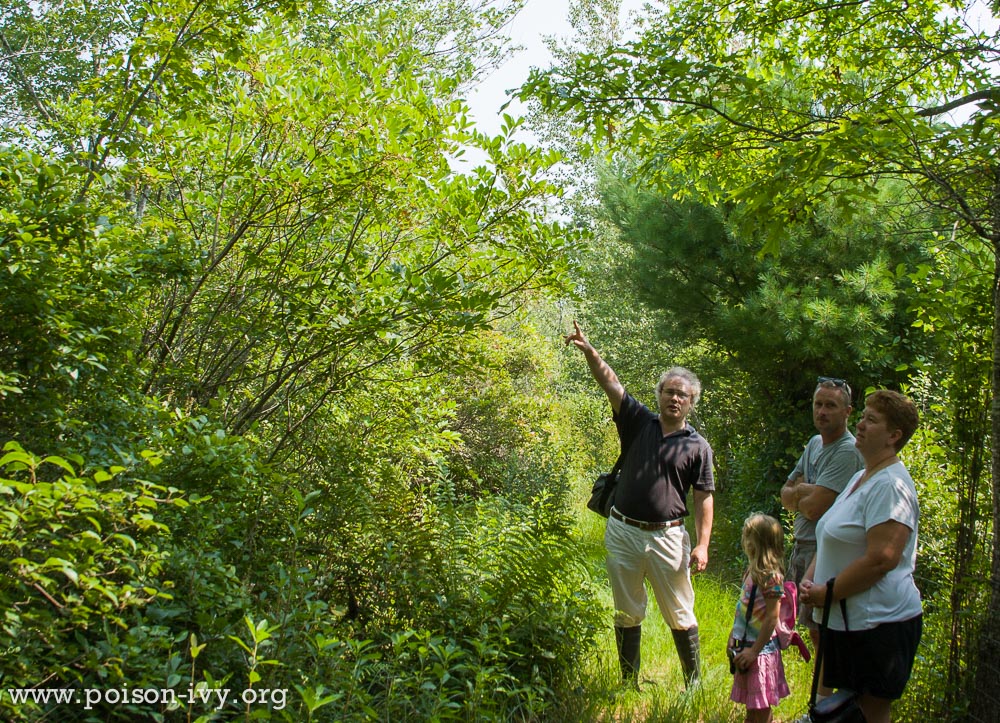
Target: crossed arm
<point x="811" y="500"/>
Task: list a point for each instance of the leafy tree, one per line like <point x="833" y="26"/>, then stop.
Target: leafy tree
<point x="248" y="237"/>
<point x="308" y="244"/>
<point x="780" y="105"/>
<point x="952" y="301"/>
<point x="825" y="303"/>
<point x="297" y="283"/>
<point x="69" y="377"/>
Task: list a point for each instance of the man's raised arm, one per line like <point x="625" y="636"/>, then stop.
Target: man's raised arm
<point x="602" y="373"/>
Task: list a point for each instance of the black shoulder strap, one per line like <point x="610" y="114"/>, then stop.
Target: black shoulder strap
<point x="749" y="611"/>
<point x="624" y="448"/>
<point x="827" y="604"/>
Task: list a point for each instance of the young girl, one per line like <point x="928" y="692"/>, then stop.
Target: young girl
<point x="758" y="673"/>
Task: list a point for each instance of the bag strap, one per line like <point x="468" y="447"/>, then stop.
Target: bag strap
<point x="753" y="596"/>
<point x="623" y="451"/>
<point x="822" y="636"/>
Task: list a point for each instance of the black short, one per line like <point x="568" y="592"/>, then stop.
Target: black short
<point x="877" y="661"/>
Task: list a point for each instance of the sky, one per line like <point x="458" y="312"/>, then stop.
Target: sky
<point x="538" y="19"/>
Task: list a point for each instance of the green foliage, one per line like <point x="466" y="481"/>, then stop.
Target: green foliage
<point x="250" y="251"/>
<point x="350" y="247"/>
<point x="772" y="104"/>
<point x="781" y="112"/>
<point x="514" y="429"/>
<point x="954" y="308"/>
<point x="487" y="616"/>
<point x="763" y="327"/>
<point x="69" y="275"/>
<point x="83" y="559"/>
<point x="829" y="292"/>
<point x="493" y="569"/>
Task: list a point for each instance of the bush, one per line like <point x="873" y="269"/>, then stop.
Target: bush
<point x="502" y="616"/>
<point x="72" y="279"/>
<point x="82" y="557"/>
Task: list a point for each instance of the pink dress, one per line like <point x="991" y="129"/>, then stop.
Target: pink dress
<point x="764" y="684"/>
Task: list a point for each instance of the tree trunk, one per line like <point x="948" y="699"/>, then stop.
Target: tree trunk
<point x="985" y="703"/>
<point x="971" y="433"/>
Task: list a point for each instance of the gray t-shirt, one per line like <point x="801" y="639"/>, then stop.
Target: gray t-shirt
<point x="829" y="466"/>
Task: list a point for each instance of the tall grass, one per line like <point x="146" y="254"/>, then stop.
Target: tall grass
<point x="661" y="695"/>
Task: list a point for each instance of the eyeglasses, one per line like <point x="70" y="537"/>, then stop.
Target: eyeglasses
<point x="842" y="383"/>
<point x="682" y="395"/>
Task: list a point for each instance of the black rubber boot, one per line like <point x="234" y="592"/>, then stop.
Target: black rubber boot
<point x="629" y="642"/>
<point x="689" y="650"/>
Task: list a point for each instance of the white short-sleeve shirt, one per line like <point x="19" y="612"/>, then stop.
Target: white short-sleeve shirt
<point x="841" y="539"/>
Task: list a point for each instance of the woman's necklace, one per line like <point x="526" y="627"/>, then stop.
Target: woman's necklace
<point x="869" y="473"/>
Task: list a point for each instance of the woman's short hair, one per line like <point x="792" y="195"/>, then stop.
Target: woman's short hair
<point x="899" y="412"/>
<point x="687" y="375"/>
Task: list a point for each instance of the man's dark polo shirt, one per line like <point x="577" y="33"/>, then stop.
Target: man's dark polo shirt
<point x="658" y="470"/>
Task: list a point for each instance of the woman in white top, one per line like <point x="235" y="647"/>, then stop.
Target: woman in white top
<point x="867" y="543"/>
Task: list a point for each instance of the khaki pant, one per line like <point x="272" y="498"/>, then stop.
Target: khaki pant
<point x="663" y="558"/>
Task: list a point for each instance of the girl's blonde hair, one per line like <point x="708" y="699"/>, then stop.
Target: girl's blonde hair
<point x="764" y="544"/>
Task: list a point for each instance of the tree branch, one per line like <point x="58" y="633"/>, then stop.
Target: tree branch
<point x="24" y="80"/>
<point x="988" y="94"/>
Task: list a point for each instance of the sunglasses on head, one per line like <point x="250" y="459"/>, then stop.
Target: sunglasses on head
<point x="832" y="380"/>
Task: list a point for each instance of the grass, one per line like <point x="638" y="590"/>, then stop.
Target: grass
<point x="661" y="695"/>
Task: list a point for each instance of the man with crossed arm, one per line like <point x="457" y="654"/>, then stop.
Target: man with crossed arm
<point x="828" y="462"/>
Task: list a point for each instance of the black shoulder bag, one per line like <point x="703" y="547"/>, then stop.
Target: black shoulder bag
<point x="602" y="494"/>
<point x="842" y="706"/>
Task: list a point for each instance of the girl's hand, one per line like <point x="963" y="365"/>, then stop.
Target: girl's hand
<point x="745" y="659"/>
<point x="804" y="590"/>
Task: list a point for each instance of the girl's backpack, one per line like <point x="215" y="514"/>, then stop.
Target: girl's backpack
<point x="788" y="613"/>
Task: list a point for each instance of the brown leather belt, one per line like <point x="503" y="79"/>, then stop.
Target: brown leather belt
<point x="646" y="526"/>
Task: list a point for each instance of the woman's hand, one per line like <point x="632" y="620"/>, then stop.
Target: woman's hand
<point x="812" y="594"/>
